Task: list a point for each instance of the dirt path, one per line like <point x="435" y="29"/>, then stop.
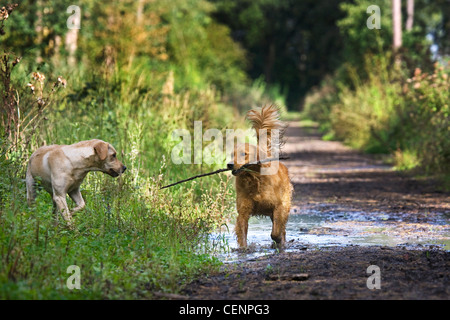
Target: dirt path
<point x="359" y="195"/>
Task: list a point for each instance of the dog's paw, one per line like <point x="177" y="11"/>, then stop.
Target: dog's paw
<point x="279" y="246"/>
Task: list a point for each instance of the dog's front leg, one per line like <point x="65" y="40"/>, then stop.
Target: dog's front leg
<point x="62" y="208"/>
<point x="279" y="220"/>
<point x="78" y="199"/>
<point x="244" y="211"/>
<point x="241" y="230"/>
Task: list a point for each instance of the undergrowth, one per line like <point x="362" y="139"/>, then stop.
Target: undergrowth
<point x="132" y="239"/>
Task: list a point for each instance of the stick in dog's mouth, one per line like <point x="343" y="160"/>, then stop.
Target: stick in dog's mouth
<point x="243" y="168"/>
<point x="113" y="173"/>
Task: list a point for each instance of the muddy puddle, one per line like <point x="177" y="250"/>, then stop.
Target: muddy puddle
<point x="315" y="229"/>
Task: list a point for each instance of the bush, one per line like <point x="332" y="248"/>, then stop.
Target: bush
<point x="389" y="113"/>
<point x="381" y="103"/>
<point x="424" y="119"/>
<point x="132" y="239"/>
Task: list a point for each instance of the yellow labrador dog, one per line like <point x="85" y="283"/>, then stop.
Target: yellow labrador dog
<point x="62" y="169"/>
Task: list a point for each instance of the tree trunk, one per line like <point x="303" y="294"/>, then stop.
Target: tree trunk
<point x="410" y="12"/>
<point x="39" y="29"/>
<point x="397" y="24"/>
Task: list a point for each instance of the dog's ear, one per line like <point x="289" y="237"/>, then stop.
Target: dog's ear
<point x="101" y="149"/>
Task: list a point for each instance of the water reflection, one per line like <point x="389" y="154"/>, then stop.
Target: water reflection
<point x="314" y="229"/>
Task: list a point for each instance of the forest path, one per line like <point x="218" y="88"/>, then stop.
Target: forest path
<point x="358" y="197"/>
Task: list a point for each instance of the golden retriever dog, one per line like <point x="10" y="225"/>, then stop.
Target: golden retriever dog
<point x="259" y="190"/>
<point x="62" y="168"/>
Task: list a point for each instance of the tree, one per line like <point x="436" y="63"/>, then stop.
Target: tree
<point x="397" y="24"/>
<point x="292" y="44"/>
<point x="202" y="49"/>
<point x="116" y="35"/>
<point x="410" y="13"/>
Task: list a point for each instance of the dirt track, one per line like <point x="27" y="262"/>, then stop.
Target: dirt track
<point x="333" y="179"/>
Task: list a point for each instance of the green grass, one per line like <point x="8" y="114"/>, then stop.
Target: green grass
<point x="132" y="239"/>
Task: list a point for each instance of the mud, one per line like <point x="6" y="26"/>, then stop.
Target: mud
<point x="331" y="273"/>
<point x="350" y="211"/>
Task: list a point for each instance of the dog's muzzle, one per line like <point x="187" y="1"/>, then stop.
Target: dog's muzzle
<point x="113" y="173"/>
<point x="230" y="166"/>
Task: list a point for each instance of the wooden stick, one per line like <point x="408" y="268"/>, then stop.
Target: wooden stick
<point x="226" y="169"/>
<point x="246" y="165"/>
<point x="195" y="177"/>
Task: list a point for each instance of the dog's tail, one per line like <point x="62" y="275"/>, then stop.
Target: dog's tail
<point x="267" y="124"/>
<point x="31" y="188"/>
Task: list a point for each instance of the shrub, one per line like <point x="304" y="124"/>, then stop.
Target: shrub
<point x="132" y="239"/>
<point x="390" y="113"/>
<point x="425" y="119"/>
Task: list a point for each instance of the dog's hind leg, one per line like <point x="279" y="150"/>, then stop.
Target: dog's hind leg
<point x="31" y="188"/>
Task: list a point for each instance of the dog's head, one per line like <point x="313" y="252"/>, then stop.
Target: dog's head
<point x="243" y="154"/>
<point x="107" y="156"/>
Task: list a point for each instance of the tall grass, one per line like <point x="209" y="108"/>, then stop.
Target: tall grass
<point x="132" y="239"/>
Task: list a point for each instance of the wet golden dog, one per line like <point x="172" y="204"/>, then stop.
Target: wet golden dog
<point x="262" y="189"/>
<point x="62" y="168"/>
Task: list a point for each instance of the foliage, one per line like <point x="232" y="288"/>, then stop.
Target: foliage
<point x="385" y="104"/>
<point x="144" y="68"/>
<point x="124" y="30"/>
<point x="296" y="44"/>
<point x="361" y="41"/>
<point x="201" y="47"/>
<point x="129" y="88"/>
<point x="131" y="241"/>
<point x="292" y="44"/>
<point x="425" y="120"/>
